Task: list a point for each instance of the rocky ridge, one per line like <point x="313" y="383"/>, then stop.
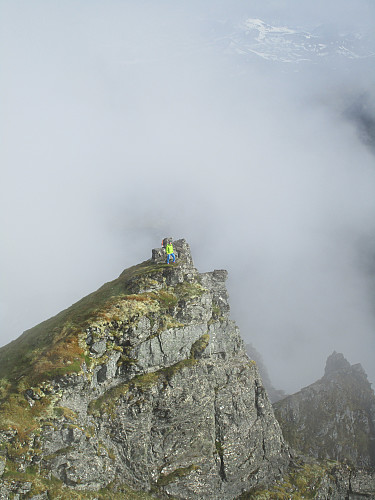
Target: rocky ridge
<point x="333" y="418"/>
<point x="158" y="396"/>
<point x="144" y="390"/>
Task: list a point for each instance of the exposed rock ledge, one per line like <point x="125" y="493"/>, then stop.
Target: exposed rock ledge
<point x="144" y="390"/>
<point x="167" y="400"/>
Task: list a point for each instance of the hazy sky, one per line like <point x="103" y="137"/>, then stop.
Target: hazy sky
<point x="126" y="121"/>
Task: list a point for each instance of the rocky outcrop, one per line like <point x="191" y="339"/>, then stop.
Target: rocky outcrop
<point x="144" y="389"/>
<point x="159" y="396"/>
<point x="333" y="418"/>
<point x="273" y="394"/>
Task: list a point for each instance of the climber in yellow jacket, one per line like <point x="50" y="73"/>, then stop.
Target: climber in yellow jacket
<point x="169" y="250"/>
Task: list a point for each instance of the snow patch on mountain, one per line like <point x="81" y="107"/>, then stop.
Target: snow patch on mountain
<point x="288" y="45"/>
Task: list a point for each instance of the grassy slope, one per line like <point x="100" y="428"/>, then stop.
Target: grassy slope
<point x="56" y="340"/>
<point x="18" y="357"/>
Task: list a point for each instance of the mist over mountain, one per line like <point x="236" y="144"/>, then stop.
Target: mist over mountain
<point x="334" y="417"/>
<point x="255" y="140"/>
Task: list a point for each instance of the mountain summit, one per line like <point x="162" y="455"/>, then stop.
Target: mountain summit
<point x="143" y="389"/>
<point x="144" y="385"/>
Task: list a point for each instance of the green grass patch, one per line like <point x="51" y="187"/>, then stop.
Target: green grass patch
<point x="163" y="480"/>
<point x="219" y="448"/>
<point x="166" y="299"/>
<point x="199" y="346"/>
<point x="67" y="413"/>
<point x="73" y="367"/>
<point x="57" y="490"/>
<point x="17" y="414"/>
<point x="188" y="291"/>
<point x="301" y="483"/>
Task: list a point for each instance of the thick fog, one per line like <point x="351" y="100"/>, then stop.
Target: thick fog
<point x="124" y="122"/>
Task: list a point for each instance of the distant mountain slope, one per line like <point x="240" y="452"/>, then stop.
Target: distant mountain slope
<point x="334" y="417"/>
<point x="295" y="45"/>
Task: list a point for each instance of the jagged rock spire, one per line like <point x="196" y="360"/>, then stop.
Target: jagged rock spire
<point x="182" y="252"/>
<point x="334" y="417"/>
<point x="336" y="362"/>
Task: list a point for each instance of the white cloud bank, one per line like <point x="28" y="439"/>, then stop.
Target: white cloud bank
<point x="125" y="122"/>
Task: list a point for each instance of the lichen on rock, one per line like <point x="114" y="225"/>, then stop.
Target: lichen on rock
<point x="143" y="389"/>
<point x="163" y="378"/>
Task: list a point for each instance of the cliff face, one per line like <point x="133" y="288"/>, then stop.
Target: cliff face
<point x="143" y="386"/>
<point x="333" y="418"/>
<point x="143" y="390"/>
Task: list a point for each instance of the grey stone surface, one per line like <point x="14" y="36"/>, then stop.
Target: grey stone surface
<point x="168" y="348"/>
<point x="167" y="402"/>
<point x="2" y="465"/>
<point x="187" y="415"/>
<point x="334" y="417"/>
<point x="99" y="348"/>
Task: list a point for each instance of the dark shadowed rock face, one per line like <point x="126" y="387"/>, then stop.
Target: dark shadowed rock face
<point x="162" y="398"/>
<point x="334" y="417"/>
